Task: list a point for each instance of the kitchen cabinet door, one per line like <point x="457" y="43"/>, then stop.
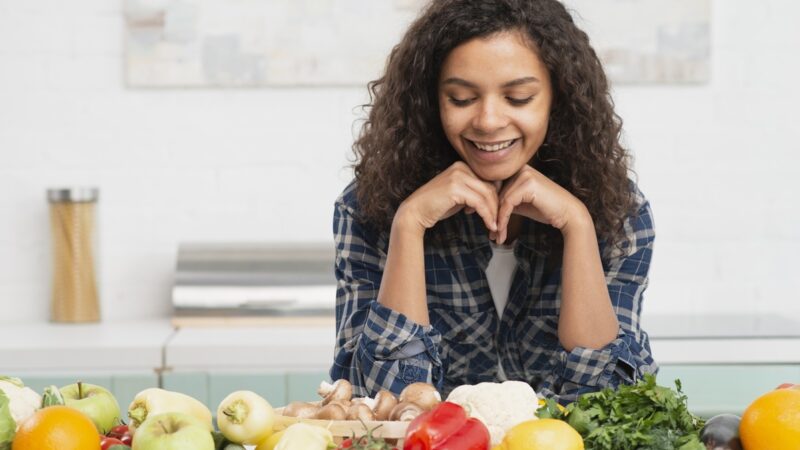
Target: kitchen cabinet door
<point x="726" y="388"/>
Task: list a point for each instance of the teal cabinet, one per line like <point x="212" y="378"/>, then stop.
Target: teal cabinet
<point x="724" y="388"/>
<point x="303" y="386"/>
<point x="270" y="386"/>
<point x="277" y="388"/>
<point x="193" y="384"/>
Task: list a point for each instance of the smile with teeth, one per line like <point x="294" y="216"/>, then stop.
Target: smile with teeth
<point x="494" y="147"/>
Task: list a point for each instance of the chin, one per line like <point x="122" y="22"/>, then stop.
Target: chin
<point x="495" y="173"/>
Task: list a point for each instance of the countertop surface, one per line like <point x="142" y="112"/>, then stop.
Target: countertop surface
<point x="156" y="344"/>
<point x="134" y="345"/>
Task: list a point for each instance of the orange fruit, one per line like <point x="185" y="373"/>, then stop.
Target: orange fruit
<point x="772" y="421"/>
<point x="57" y="428"/>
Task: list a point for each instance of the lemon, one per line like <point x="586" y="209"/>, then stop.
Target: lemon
<point x="542" y="434"/>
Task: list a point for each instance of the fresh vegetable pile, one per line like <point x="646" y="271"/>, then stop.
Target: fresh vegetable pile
<point x="497" y="416"/>
<point x="643" y="415"/>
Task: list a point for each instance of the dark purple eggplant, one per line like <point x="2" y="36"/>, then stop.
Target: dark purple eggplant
<point x="721" y="432"/>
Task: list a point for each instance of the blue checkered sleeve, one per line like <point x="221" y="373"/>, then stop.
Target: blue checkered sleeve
<point x="376" y="347"/>
<point x="627" y="358"/>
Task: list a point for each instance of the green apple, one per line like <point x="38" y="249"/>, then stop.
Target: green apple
<point x="94" y="401"/>
<point x="172" y="431"/>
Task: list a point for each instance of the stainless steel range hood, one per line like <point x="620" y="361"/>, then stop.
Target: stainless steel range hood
<point x="254" y="279"/>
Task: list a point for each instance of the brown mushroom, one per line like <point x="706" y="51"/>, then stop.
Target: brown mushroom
<point x="405" y="411"/>
<point x="423" y="394"/>
<point x="384" y="402"/>
<point x="360" y="411"/>
<point x="301" y="410"/>
<point x="370" y="402"/>
<point x="345" y="404"/>
<point x="331" y="412"/>
<point x="340" y="390"/>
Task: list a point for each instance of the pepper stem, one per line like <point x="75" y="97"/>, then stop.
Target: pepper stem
<point x="138" y="413"/>
<point x="236" y="412"/>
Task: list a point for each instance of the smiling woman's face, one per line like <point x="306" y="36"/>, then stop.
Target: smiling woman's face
<point x="494" y="102"/>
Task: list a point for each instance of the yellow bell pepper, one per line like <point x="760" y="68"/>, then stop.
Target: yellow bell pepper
<point x="156" y="401"/>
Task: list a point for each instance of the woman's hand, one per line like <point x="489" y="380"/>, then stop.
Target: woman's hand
<point x="531" y="194"/>
<point x="456" y="188"/>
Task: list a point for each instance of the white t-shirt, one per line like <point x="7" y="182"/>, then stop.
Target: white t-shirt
<point x="499" y="274"/>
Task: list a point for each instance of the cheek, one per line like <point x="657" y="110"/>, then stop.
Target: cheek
<point x="536" y="125"/>
<point x="451" y="122"/>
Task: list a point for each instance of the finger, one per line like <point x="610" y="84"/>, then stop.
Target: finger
<point x="489" y="193"/>
<point x="505" y="206"/>
<point x="488" y="197"/>
<point x="469" y="210"/>
<point x="510" y="200"/>
<point x="488" y="188"/>
<point x="465" y="197"/>
<point x="477" y="202"/>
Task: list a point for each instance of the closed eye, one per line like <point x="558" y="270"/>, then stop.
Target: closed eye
<point x="520" y="101"/>
<point x="461" y="102"/>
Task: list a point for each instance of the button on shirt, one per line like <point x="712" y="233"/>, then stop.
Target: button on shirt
<point x="466" y="341"/>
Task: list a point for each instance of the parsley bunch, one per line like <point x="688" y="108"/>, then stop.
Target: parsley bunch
<point x="641" y="416"/>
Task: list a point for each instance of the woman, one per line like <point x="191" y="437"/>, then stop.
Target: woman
<point x="491" y="231"/>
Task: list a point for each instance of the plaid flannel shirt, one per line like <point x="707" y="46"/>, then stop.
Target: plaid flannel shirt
<point x="378" y="348"/>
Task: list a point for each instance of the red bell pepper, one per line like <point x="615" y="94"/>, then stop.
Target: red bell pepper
<point x="446" y="427"/>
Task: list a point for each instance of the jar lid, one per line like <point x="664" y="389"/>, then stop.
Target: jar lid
<point x="76" y="194"/>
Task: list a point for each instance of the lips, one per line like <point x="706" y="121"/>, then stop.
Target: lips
<point x="491" y="151"/>
<point x="495" y="146"/>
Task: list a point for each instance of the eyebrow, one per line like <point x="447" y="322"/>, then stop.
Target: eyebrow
<point x="465" y="83"/>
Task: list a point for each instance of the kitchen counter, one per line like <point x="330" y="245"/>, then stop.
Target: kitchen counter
<point x="251" y="348"/>
<point x="156" y="344"/>
<point x="117" y="346"/>
<point x="724" y="339"/>
<point x="723" y="361"/>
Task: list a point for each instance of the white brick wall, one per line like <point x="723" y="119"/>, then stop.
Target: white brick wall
<point x="221" y="165"/>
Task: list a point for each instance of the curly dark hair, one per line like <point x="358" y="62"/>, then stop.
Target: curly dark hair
<point x="402" y="144"/>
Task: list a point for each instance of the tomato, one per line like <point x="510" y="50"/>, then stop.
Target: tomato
<point x="118" y="431"/>
<point x="347" y="443"/>
<point x="127" y="439"/>
<point x="107" y="442"/>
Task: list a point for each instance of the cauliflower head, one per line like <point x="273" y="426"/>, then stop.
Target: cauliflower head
<point x="23" y="401"/>
<point x="499" y="406"/>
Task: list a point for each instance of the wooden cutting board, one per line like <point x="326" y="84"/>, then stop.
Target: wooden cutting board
<point x="346" y="428"/>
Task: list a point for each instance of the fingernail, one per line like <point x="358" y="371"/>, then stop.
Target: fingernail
<point x="494" y="225"/>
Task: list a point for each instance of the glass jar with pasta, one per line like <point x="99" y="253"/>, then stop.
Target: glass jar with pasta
<point x="72" y="223"/>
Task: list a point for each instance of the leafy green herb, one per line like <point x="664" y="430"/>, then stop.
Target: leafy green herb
<point x="642" y="416"/>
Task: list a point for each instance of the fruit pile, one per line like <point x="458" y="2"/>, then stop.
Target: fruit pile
<point x="497" y="416"/>
<point x="83" y="416"/>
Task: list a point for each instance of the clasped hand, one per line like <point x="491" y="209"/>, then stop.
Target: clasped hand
<point x="528" y="193"/>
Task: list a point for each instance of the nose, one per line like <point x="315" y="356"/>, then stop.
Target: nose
<point x="490" y="117"/>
